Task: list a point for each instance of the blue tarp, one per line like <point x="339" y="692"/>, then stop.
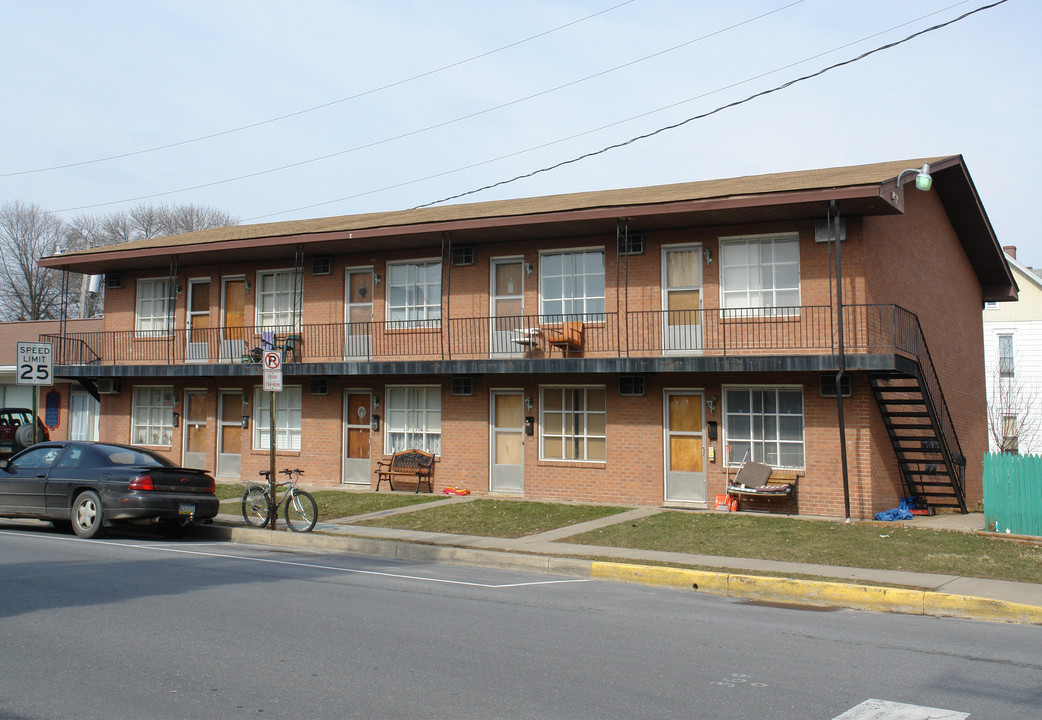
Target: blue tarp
<point x="901" y="512"/>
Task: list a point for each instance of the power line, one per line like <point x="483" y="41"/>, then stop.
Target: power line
<point x="435" y="126"/>
<point x="674" y="126"/>
<point x="614" y="124"/>
<point x="323" y="106"/>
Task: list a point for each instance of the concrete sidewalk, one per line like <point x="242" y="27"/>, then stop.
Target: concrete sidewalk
<point x="945" y="595"/>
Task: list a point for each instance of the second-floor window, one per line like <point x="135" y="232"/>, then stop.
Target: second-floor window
<point x="152" y="314"/>
<point x="275" y="298"/>
<point x="1006" y="356"/>
<point x="760" y="272"/>
<point x="414" y="293"/>
<point x="572" y="284"/>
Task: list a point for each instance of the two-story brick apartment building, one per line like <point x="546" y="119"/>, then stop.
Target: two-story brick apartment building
<point x="628" y="346"/>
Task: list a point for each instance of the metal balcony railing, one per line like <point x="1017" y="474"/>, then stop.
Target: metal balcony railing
<point x="807" y="329"/>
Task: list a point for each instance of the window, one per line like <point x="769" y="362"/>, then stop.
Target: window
<point x="760" y="272"/>
<point x="275" y="295"/>
<point x="1006" y="356"/>
<point x="287" y="419"/>
<point x="152" y="417"/>
<point x="152" y="317"/>
<point x="573" y="424"/>
<point x="765" y="425"/>
<point x="414" y="294"/>
<point x="572" y="283"/>
<point x="413" y="419"/>
<point x="1010" y="434"/>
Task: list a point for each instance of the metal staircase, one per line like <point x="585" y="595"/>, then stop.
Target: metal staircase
<point x="920" y="428"/>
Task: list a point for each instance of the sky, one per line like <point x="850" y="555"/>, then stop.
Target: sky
<point x="278" y="111"/>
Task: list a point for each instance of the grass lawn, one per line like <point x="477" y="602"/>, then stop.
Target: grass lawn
<point x="495" y="518"/>
<point x="334" y="503"/>
<point x="826" y="543"/>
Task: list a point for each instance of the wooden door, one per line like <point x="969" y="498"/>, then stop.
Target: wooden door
<point x="685" y="447"/>
<point x="357" y="431"/>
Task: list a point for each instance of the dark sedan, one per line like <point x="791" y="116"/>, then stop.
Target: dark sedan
<point x="92" y="486"/>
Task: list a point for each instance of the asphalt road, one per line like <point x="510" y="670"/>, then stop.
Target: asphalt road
<point x="134" y="626"/>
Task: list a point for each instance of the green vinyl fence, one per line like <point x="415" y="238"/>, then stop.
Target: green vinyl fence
<point x="1013" y="493"/>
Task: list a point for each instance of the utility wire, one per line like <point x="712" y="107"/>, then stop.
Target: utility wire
<point x="674" y="126"/>
<point x="614" y="124"/>
<point x="316" y="107"/>
<point x="435" y="126"/>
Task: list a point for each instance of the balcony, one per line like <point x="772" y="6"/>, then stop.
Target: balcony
<point x="709" y="333"/>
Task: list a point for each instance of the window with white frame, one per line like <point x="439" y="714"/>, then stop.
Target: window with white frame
<point x="572" y="283"/>
<point x="275" y="298"/>
<point x="414" y="293"/>
<point x="287" y="418"/>
<point x="152" y="316"/>
<point x="1006" y="356"/>
<point x="152" y="416"/>
<point x="413" y="419"/>
<point x="760" y="272"/>
<point x="573" y="423"/>
<point x="765" y="425"/>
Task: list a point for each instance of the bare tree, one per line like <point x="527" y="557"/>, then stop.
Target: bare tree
<point x="1014" y="412"/>
<point x="27" y="233"/>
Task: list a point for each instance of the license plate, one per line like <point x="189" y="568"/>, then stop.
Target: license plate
<point x="186" y="509"/>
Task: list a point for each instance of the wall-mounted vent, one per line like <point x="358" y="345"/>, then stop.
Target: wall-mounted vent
<point x="321" y="265"/>
<point x="113" y="281"/>
<point x="828" y="385"/>
<point x="463" y="255"/>
<point x="631" y="385"/>
<point x="822" y="232"/>
<point x="319" y="386"/>
<point x="108" y="386"/>
<point x="631" y="244"/>
<point x="462" y="386"/>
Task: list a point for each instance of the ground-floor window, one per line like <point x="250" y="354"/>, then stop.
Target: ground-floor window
<point x="287" y="419"/>
<point x="765" y="425"/>
<point x="573" y="423"/>
<point x="413" y="419"/>
<point x="152" y="417"/>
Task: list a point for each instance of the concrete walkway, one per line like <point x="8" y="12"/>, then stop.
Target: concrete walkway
<point x="550" y="552"/>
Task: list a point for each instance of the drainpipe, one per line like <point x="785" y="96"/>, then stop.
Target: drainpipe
<point x="834" y="211"/>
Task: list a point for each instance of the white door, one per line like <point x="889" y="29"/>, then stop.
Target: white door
<point x="358" y="339"/>
<point x="230" y="411"/>
<point x="508" y="336"/>
<point x="357" y="431"/>
<point x="194" y="440"/>
<point x="682" y="298"/>
<point x="684" y="447"/>
<point x="83" y="416"/>
<point x="508" y="442"/>
<point x="198" y="349"/>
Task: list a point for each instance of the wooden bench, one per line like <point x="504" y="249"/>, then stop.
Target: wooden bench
<point x="759" y="481"/>
<point x="406" y="463"/>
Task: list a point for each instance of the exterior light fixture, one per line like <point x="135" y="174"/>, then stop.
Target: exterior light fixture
<point x="708" y="255"/>
<point x="923" y="180"/>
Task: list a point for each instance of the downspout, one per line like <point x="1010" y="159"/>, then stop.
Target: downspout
<point x="834" y="213"/>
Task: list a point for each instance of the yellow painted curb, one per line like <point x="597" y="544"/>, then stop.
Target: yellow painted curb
<point x="825" y="594"/>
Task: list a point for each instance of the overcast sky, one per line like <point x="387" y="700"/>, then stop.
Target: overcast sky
<point x="387" y="105"/>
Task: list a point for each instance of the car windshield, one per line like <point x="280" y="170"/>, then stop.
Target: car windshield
<point x="132" y="456"/>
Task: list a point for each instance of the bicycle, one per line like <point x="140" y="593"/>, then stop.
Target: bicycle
<point x="301" y="511"/>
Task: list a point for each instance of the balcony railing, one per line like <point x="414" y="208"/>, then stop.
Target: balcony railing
<point x="807" y="329"/>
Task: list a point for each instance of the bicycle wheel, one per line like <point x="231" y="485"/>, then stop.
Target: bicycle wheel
<point x="255" y="504"/>
<point x="301" y="511"/>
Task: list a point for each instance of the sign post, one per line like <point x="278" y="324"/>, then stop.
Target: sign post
<point x="272" y="363"/>
<point x="35" y="367"/>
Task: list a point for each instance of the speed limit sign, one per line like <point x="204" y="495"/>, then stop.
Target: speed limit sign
<point x="35" y="364"/>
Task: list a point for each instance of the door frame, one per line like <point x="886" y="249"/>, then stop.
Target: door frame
<point x="347" y="426"/>
<point x="185" y="422"/>
<point x="665" y="250"/>
<point x="493" y="393"/>
<point x="348" y="272"/>
<point x="190" y="316"/>
<point x="221" y="393"/>
<point x="493" y="294"/>
<point x="229" y="353"/>
<point x="666" y="393"/>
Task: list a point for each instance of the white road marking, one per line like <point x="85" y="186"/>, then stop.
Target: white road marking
<point x="312" y="566"/>
<point x="886" y="710"/>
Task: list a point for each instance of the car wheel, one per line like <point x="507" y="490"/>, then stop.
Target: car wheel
<point x="87" y="515"/>
<point x="23" y="437"/>
<point x="176" y="528"/>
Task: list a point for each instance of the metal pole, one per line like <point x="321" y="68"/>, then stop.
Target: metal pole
<point x="842" y="360"/>
<point x="272" y="507"/>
